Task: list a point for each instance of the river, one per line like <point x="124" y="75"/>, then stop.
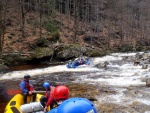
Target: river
<point x="120" y="76"/>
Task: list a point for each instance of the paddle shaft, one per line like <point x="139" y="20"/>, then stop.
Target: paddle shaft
<point x="39" y="91"/>
<point x="15" y="91"/>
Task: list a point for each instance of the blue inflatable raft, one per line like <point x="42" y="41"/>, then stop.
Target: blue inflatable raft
<point x="78" y="62"/>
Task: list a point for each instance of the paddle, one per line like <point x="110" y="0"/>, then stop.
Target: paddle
<point x="17" y="91"/>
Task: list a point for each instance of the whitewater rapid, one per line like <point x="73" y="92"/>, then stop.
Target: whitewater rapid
<point x="124" y="74"/>
<point x="120" y="75"/>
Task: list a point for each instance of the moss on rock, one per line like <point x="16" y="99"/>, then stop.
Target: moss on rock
<point x="42" y="52"/>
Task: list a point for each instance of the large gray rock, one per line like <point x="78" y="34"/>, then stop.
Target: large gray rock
<point x="148" y="82"/>
<point x="3" y="68"/>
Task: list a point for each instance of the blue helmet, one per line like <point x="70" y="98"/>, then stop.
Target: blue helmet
<point x="46" y="85"/>
<point x="76" y="105"/>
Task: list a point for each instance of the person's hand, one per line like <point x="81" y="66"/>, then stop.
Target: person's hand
<point x="30" y="92"/>
<point x="52" y="87"/>
<point x="45" y="109"/>
<point x="33" y="91"/>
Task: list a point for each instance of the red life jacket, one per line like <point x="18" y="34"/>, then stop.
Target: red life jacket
<point x="47" y="94"/>
<point x="29" y="86"/>
<point x="49" y="91"/>
<point x="51" y="97"/>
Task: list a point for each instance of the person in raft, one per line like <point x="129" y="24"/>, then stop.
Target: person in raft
<point x="75" y="105"/>
<point x="48" y="98"/>
<point x="61" y="93"/>
<point x="27" y="88"/>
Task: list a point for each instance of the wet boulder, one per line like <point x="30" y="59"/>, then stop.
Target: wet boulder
<point x="102" y="64"/>
<point x="148" y="82"/>
<point x="144" y="66"/>
<point x="3" y="67"/>
<point x="142" y="59"/>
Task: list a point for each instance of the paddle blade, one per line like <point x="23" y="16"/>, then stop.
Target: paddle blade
<point x="13" y="91"/>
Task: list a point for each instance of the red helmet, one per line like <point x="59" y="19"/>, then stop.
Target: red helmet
<point x="61" y="92"/>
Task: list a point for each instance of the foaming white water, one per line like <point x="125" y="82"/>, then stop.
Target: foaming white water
<point x="147" y="112"/>
<point x="145" y="101"/>
<point x="48" y="70"/>
<point x="114" y="56"/>
<point x="126" y="74"/>
<point x="123" y="78"/>
<point x="122" y="75"/>
<point x="105" y="58"/>
<point x="124" y="54"/>
<point x="116" y="98"/>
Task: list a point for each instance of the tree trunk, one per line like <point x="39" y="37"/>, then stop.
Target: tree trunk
<point x="22" y="19"/>
<point x="40" y="11"/>
<point x="3" y="8"/>
<point x="68" y="14"/>
<point x="1" y="27"/>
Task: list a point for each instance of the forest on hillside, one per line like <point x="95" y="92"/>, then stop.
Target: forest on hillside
<point x="102" y="23"/>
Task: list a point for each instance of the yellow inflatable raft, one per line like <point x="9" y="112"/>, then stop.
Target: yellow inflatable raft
<point x="16" y="105"/>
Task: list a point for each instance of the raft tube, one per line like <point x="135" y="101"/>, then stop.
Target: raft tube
<point x="16" y="105"/>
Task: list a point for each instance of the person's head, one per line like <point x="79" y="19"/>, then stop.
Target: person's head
<point x="26" y="77"/>
<point x="61" y="93"/>
<point x="46" y="85"/>
<point x="76" y="105"/>
<point x="86" y="58"/>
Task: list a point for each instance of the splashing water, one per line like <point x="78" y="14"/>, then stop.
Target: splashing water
<point x="119" y="76"/>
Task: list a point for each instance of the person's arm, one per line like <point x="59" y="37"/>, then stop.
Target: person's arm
<point x="23" y="87"/>
<point x="50" y="99"/>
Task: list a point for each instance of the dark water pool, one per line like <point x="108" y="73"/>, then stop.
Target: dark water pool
<point x="34" y="66"/>
<point x="2" y="106"/>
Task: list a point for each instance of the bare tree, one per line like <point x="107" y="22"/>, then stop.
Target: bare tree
<point x="23" y="12"/>
<point x="68" y="6"/>
<point x="60" y="11"/>
<point x="3" y="8"/>
<point x="75" y="18"/>
<point x="40" y="11"/>
<point x="1" y="26"/>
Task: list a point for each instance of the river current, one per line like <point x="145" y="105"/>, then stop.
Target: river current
<point x="120" y="75"/>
